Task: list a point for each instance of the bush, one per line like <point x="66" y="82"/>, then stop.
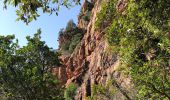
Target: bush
<point x="65" y="46"/>
<point x="101" y="92"/>
<point x="70" y="91"/>
<point x="75" y="40"/>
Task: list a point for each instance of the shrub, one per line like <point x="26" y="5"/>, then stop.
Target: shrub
<point x="65" y="46"/>
<point x="70" y="91"/>
<point x="101" y="92"/>
<point x="75" y="40"/>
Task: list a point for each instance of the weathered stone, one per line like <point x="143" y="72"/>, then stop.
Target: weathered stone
<point x="90" y="63"/>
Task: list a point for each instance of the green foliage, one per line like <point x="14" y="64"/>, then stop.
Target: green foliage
<point x="65" y="47"/>
<point x="69" y="37"/>
<point x="25" y="73"/>
<point x="142" y="39"/>
<point x="27" y="10"/>
<point x="70" y="91"/>
<point x="105" y="16"/>
<point x="70" y="26"/>
<point x="100" y="92"/>
<point x="74" y="41"/>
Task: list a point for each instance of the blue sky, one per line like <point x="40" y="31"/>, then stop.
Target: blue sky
<point x="49" y="24"/>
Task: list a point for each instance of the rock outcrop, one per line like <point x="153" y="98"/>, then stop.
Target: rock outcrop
<point x="91" y="62"/>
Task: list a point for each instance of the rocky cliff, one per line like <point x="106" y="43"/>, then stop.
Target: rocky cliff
<point x="92" y="62"/>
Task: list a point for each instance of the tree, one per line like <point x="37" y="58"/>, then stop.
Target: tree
<point x="27" y="10"/>
<point x="25" y="73"/>
<point x="70" y="25"/>
<point x="69" y="37"/>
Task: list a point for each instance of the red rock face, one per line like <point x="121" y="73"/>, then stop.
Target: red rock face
<point x="90" y="63"/>
<point x="60" y="71"/>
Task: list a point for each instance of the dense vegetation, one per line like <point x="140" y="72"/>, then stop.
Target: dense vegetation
<point x="138" y="31"/>
<point x="25" y="73"/>
<point x="70" y="37"/>
<point x="101" y="92"/>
